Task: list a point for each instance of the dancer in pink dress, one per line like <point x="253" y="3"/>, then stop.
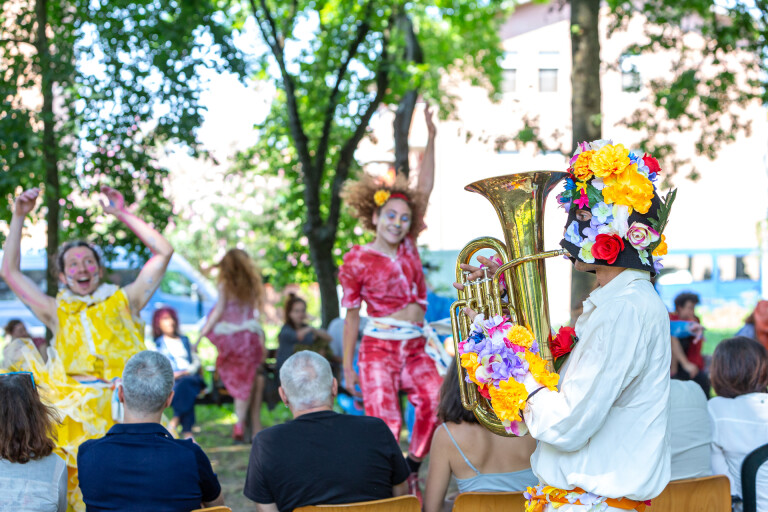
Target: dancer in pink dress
<point x="233" y="327"/>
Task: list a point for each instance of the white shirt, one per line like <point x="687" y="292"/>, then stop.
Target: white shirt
<point x="739" y="425"/>
<point x="179" y="352"/>
<point x="607" y="430"/>
<point x="690" y="430"/>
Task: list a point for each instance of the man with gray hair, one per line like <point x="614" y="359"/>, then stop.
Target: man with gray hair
<point x="321" y="457"/>
<point x="138" y="465"/>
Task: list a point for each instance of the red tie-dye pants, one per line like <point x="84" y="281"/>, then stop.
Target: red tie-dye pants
<point x="388" y="366"/>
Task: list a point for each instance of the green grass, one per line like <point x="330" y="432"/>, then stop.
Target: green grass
<point x="712" y="337"/>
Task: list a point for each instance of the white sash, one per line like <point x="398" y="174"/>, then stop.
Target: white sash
<point x="386" y="328"/>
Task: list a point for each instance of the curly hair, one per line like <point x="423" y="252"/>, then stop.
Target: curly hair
<point x="27" y="425"/>
<point x="359" y="196"/>
<point x="241" y="279"/>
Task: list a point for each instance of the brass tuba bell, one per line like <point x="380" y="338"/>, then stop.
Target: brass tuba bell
<point x="519" y="202"/>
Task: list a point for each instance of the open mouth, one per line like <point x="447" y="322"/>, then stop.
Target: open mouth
<point x="83" y="283"/>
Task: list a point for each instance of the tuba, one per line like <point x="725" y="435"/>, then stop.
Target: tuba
<point x="519" y="202"/>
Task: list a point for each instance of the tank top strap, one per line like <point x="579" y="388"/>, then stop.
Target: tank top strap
<point x="460" y="452"/>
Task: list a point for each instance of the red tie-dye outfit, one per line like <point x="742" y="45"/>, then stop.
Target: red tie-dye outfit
<point x="387" y="366"/>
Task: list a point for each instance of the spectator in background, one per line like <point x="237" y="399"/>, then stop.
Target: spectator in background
<point x="739" y="414"/>
<point x="15" y="329"/>
<point x="321" y="457"/>
<point x="185" y="364"/>
<point x="756" y="324"/>
<point x="233" y="327"/>
<point x="32" y="477"/>
<point x="691" y="433"/>
<point x="479" y="459"/>
<point x="297" y="335"/>
<point x="138" y="465"/>
<point x="687" y="341"/>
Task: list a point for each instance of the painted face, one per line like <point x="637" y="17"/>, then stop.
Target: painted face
<point x="298" y="313"/>
<point x="393" y="221"/>
<point x="81" y="272"/>
<point x="167" y="325"/>
<point x="687" y="312"/>
<point x="19" y="331"/>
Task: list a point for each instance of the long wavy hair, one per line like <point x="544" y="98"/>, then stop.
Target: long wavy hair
<point x="291" y="301"/>
<point x="241" y="279"/>
<point x="358" y="195"/>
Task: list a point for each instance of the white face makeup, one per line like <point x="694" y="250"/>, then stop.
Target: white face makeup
<point x="393" y="221"/>
<point x="81" y="272"/>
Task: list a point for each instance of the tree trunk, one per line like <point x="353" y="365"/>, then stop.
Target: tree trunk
<point x="50" y="152"/>
<point x="404" y="113"/>
<point x="321" y="252"/>
<point x="585" y="102"/>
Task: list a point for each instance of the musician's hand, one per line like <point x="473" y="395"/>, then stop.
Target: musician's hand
<point x="471" y="313"/>
<point x="478" y="272"/>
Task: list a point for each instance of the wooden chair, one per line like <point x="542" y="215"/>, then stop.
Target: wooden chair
<point x="706" y="494"/>
<point x="220" y="508"/>
<point x="489" y="502"/>
<point x="399" y="504"/>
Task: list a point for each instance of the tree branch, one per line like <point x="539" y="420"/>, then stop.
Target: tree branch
<point x="348" y="150"/>
<point x="17" y="41"/>
<point x="362" y="31"/>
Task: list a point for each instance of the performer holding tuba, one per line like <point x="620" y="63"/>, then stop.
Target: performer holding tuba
<point x="603" y="439"/>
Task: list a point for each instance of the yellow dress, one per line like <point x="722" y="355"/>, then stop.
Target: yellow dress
<point x="96" y="335"/>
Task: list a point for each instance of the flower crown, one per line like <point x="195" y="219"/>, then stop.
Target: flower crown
<point x="383" y="195"/>
<point x="611" y="182"/>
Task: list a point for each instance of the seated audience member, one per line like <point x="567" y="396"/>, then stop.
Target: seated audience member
<point x="756" y="324"/>
<point x="691" y="433"/>
<point x="687" y="341"/>
<point x="185" y="364"/>
<point x="138" y="465"/>
<point x="297" y="335"/>
<point x="321" y="457"/>
<point x="32" y="477"/>
<point x="15" y="329"/>
<point x="739" y="414"/>
<point x="479" y="459"/>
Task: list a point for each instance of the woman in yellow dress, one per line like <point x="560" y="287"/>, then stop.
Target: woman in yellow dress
<point x="96" y="327"/>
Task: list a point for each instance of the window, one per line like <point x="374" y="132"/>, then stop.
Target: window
<point x="509" y="72"/>
<point x="630" y="76"/>
<point x="509" y="80"/>
<point x="547" y="80"/>
<point x="176" y="283"/>
<point x="738" y="267"/>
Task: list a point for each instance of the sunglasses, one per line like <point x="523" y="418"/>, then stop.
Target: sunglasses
<point x="31" y="376"/>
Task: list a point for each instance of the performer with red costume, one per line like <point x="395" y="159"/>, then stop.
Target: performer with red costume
<point x="387" y="274"/>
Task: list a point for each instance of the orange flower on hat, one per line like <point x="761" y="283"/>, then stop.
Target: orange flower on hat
<point x="661" y="249"/>
<point x="610" y="160"/>
<point x="581" y="167"/>
<point x="629" y="188"/>
<point x="508" y="400"/>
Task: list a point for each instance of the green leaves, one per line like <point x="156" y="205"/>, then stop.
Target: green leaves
<point x="663" y="216"/>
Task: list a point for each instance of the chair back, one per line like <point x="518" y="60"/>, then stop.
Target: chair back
<point x="706" y="494"/>
<point x="489" y="502"/>
<point x="399" y="504"/>
<point x="220" y="508"/>
<point x="749" y="467"/>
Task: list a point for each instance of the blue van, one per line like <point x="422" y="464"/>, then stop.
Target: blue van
<point x="718" y="276"/>
<point x="183" y="288"/>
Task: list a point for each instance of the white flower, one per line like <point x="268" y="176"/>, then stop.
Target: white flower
<point x="620" y="222"/>
<point x="597" y="145"/>
<point x="598" y="183"/>
<point x="585" y="253"/>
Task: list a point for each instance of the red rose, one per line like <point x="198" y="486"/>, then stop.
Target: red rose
<point x="562" y="343"/>
<point x="652" y="163"/>
<point x="483" y="390"/>
<point x="607" y="247"/>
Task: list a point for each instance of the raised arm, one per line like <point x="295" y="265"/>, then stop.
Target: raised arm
<point x="427" y="171"/>
<point x="140" y="291"/>
<point x="43" y="306"/>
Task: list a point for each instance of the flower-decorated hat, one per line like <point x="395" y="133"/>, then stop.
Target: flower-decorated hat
<point x="615" y="215"/>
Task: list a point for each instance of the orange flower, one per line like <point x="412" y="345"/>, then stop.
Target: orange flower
<point x="538" y="368"/>
<point x="508" y="400"/>
<point x="629" y="188"/>
<point x="661" y="249"/>
<point x="520" y="335"/>
<point x="610" y="160"/>
<point x="381" y="197"/>
<point x="581" y="167"/>
<point x="470" y="363"/>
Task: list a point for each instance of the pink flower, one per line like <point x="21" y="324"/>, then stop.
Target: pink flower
<point x="641" y="236"/>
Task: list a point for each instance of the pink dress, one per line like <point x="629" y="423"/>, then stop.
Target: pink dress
<point x="239" y="338"/>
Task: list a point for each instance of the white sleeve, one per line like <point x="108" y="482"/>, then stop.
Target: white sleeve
<point x="608" y="361"/>
<point x="719" y="465"/>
